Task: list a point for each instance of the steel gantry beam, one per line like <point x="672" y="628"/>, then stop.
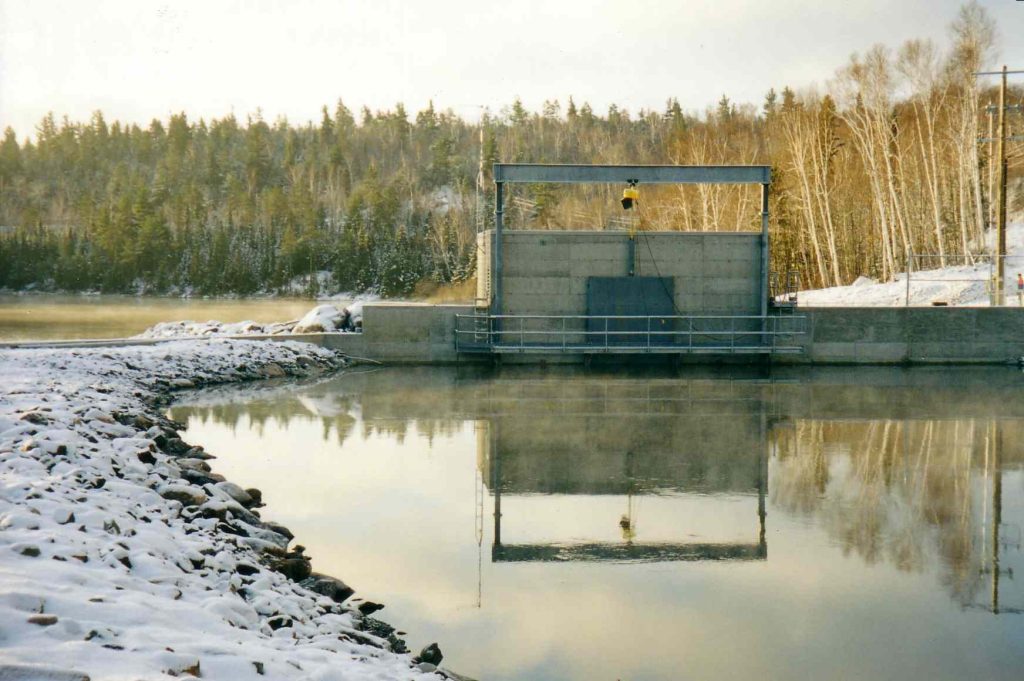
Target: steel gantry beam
<point x="595" y="174"/>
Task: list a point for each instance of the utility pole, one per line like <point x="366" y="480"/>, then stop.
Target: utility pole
<point x="1001" y="207"/>
<point x="1000" y="297"/>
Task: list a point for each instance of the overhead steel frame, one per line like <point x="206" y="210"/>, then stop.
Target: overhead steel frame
<point x="544" y="173"/>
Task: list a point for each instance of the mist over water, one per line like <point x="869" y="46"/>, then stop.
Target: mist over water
<point x="63" y="317"/>
<point x="833" y="523"/>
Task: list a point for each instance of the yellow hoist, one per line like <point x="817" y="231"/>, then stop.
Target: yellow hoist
<point x="630" y="195"/>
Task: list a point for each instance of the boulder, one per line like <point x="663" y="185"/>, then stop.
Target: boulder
<point x="369" y="607"/>
<point x="354" y="314"/>
<point x="272" y="370"/>
<point x="320" y="319"/>
<point x="279" y="529"/>
<point x="172" y="445"/>
<point x="197" y="477"/>
<point x="193" y="465"/>
<point x="32" y="672"/>
<point x="295" y="569"/>
<point x="186" y="494"/>
<point x="335" y="589"/>
<point x="431" y="654"/>
<point x="235" y="492"/>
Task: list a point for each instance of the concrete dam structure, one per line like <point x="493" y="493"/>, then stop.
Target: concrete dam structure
<point x="553" y="296"/>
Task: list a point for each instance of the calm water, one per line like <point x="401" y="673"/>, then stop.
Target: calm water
<point x="59" y="317"/>
<point x="847" y="524"/>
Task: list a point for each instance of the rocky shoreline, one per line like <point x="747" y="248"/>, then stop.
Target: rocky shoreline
<point x="102" y="501"/>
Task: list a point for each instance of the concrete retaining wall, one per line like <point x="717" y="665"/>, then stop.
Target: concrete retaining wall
<point x="403" y="333"/>
<point x="910" y="335"/>
<point x="423" y="333"/>
<point x="546" y="272"/>
<point x="420" y="333"/>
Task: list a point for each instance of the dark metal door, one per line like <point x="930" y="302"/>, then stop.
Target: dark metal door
<point x="631" y="296"/>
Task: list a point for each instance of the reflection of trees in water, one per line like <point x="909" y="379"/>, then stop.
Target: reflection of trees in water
<point x="259" y="415"/>
<point x="907" y="492"/>
<point x="336" y="405"/>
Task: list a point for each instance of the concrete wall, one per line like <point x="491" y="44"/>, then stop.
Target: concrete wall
<point x="545" y="272"/>
<point x="424" y="333"/>
<point x="420" y="333"/>
<point x="403" y="333"/>
<point x="910" y="335"/>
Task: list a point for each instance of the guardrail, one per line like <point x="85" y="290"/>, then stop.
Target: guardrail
<point x="718" y="334"/>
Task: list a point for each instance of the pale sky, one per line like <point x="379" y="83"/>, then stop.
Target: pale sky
<point x="136" y="59"/>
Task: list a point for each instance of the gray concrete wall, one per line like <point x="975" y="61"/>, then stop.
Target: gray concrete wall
<point x="422" y="333"/>
<point x="910" y="335"/>
<point x="403" y="333"/>
<point x="545" y="272"/>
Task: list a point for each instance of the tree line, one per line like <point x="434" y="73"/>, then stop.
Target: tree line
<point x="881" y="161"/>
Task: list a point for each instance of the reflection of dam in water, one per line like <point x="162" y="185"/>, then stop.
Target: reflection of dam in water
<point x="918" y="469"/>
<point x="629" y="439"/>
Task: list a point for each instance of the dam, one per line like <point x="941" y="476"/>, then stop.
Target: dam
<point x="565" y="297"/>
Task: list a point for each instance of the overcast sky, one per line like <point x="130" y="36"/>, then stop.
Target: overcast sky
<point x="136" y="60"/>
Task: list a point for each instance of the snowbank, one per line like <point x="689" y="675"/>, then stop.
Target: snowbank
<point x="955" y="285"/>
<point x="214" y="328"/>
<point x="122" y="556"/>
<point x="322" y="318"/>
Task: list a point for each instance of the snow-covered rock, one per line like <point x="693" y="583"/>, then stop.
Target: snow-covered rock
<point x="214" y="328"/>
<point x="320" y="319"/>
<point x="113" y="566"/>
<point x="355" y="315"/>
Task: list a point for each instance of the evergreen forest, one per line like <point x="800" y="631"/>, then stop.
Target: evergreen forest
<point x="882" y="160"/>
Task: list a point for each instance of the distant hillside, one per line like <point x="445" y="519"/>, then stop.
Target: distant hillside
<point x="885" y="160"/>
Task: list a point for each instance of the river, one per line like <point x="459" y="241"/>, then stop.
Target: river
<point x="558" y="524"/>
<point x="63" y="317"/>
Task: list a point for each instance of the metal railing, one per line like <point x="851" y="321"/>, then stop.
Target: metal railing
<point x="629" y="333"/>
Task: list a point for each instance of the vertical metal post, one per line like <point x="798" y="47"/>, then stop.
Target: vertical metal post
<point x="496" y="484"/>
<point x="762" y="482"/>
<point x="498" y="264"/>
<point x="910" y="258"/>
<point x="990" y="109"/>
<point x="1001" y="210"/>
<point x="997" y="508"/>
<point x="992" y="282"/>
<point x="764" y="259"/>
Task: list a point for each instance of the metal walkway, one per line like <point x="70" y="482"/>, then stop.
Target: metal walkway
<point x="621" y="334"/>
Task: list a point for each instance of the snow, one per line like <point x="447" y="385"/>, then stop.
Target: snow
<point x="322" y="318"/>
<point x="214" y="328"/>
<point x="104" y="572"/>
<point x="957" y="284"/>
